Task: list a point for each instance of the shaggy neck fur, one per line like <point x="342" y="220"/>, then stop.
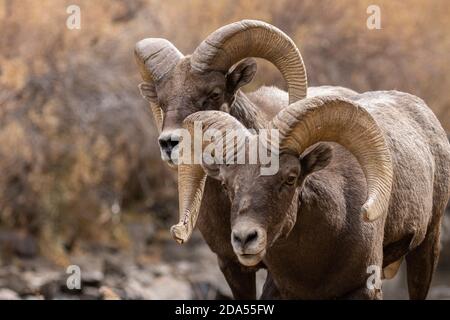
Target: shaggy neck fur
<point x="246" y="112"/>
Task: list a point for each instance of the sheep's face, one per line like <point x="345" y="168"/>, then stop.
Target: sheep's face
<point x="184" y="91"/>
<point x="260" y="204"/>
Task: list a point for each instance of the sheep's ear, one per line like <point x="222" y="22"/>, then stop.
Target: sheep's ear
<point x="316" y="159"/>
<point x="241" y="74"/>
<point x="148" y="92"/>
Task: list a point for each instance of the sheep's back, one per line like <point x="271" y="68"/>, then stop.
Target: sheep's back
<point x="421" y="156"/>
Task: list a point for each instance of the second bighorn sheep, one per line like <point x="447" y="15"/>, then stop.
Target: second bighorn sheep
<point x="304" y="222"/>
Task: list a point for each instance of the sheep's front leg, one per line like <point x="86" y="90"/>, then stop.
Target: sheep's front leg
<point x="241" y="281"/>
<point x="270" y="290"/>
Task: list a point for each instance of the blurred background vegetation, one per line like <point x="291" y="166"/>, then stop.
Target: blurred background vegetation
<point x="78" y="147"/>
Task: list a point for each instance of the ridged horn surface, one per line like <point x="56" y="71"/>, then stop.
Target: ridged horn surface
<point x="191" y="177"/>
<point x="155" y="57"/>
<point x="339" y="120"/>
<point x="253" y="38"/>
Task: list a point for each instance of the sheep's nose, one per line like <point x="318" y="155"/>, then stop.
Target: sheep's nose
<point x="246" y="237"/>
<point x="167" y="143"/>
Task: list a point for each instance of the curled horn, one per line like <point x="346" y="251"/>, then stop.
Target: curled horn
<point x="253" y="38"/>
<point x="191" y="177"/>
<point x="339" y="120"/>
<point x="155" y="58"/>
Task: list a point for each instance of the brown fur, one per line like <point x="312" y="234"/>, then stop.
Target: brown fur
<point x="415" y="139"/>
<point x="183" y="92"/>
<point x="327" y="253"/>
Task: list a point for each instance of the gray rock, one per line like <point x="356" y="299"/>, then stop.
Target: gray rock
<point x="14" y="281"/>
<point x="52" y="289"/>
<point x="114" y="267"/>
<point x="145" y="277"/>
<point x="134" y="290"/>
<point x="92" y="278"/>
<point x="36" y="279"/>
<point x="7" y="294"/>
<point x="161" y="288"/>
<point x="168" y="287"/>
<point x="161" y="270"/>
<point x="90" y="293"/>
<point x="440" y="292"/>
<point x="38" y="297"/>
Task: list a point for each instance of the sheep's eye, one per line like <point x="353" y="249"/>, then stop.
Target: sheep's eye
<point x="291" y="180"/>
<point x="215" y="95"/>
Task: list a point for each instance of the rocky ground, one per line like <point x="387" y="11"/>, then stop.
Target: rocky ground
<point x="160" y="269"/>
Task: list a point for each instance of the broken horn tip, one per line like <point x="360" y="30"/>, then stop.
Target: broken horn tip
<point x="177" y="232"/>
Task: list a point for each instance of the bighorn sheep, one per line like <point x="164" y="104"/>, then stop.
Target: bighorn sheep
<point x="304" y="222"/>
<point x="179" y="86"/>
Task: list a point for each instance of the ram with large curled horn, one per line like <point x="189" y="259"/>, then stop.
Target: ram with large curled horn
<point x="210" y="79"/>
<point x="338" y="197"/>
<point x="390" y="161"/>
